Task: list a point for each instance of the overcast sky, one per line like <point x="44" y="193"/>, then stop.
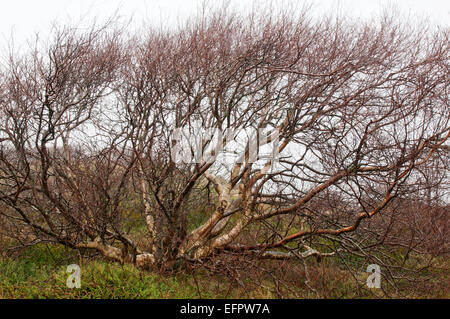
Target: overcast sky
<point x="21" y="19"/>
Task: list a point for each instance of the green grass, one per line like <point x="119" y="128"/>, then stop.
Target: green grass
<point x="40" y="272"/>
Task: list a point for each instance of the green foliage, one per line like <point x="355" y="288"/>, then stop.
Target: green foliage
<point x="40" y="272"/>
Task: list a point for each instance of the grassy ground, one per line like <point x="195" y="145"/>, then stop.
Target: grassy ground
<point x="40" y="272"/>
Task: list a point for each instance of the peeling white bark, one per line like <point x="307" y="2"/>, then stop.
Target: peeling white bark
<point x="288" y="255"/>
<point x="106" y="250"/>
<point x="142" y="259"/>
<point x="215" y="223"/>
<point x="145" y="260"/>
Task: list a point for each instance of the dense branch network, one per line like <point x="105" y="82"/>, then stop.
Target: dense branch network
<point x="355" y="120"/>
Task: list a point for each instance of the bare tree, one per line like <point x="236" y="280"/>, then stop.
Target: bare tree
<point x="319" y="128"/>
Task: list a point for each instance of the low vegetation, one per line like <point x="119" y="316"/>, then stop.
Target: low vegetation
<point x="40" y="272"/>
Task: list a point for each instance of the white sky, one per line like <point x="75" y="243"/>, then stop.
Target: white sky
<point x="21" y="19"/>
